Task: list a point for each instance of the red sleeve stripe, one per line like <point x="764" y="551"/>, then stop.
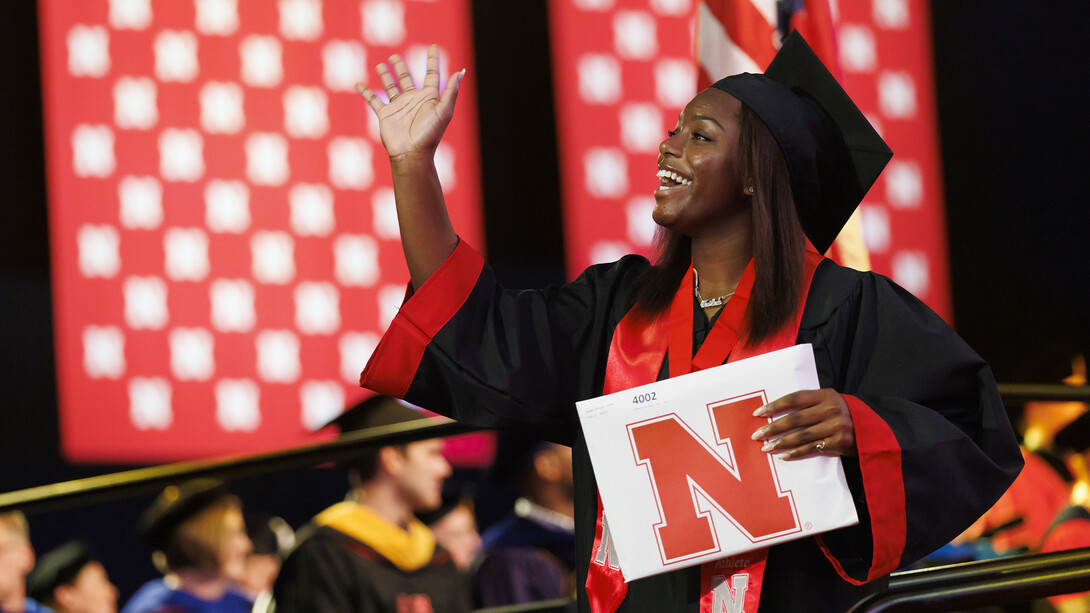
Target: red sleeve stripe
<point x="880" y="465"/>
<point x="394" y="363"/>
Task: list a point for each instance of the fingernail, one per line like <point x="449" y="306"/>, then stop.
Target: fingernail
<point x="785" y="456"/>
<point x="759" y="434"/>
<point x="760" y="410"/>
<point x="768" y="447"/>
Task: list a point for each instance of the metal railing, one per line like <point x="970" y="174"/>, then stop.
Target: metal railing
<point x="976" y="584"/>
<point x="132" y="482"/>
<point x="946" y="588"/>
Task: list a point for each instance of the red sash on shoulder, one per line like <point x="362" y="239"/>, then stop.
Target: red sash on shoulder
<point x="635" y="358"/>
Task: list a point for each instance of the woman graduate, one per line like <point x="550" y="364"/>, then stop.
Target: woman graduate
<point x="756" y="165"/>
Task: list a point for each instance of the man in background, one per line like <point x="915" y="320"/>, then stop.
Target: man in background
<point x="370" y="553"/>
<point x="529" y="556"/>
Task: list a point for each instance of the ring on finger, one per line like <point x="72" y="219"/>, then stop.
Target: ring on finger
<point x="820" y="446"/>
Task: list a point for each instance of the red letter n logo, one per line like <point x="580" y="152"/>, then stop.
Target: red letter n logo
<point x="739" y="480"/>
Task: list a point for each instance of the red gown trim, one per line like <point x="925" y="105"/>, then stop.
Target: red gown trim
<point x="393" y="365"/>
<point x="883" y="484"/>
<point x="635" y="357"/>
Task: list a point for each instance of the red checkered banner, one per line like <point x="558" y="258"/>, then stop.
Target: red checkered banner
<point x="625" y="68"/>
<point x="225" y="248"/>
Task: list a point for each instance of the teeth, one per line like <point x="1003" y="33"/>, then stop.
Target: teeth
<point x="673" y="176"/>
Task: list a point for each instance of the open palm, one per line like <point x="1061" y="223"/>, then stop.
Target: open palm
<point x="413" y="121"/>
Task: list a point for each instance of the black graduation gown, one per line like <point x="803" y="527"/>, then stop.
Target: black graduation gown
<point x="936" y="449"/>
<point x="330" y="572"/>
<point x="523" y="560"/>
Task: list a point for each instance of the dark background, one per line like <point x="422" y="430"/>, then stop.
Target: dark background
<point x="1012" y="100"/>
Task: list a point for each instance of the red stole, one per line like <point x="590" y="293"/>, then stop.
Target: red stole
<point x="636" y="353"/>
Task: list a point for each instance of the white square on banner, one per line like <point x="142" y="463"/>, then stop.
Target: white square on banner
<point x="683" y="482"/>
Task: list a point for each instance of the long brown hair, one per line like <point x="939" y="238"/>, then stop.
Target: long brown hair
<point x="778" y="244"/>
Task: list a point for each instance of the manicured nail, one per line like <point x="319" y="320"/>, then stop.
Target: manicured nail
<point x="768" y="447"/>
<point x="759" y="434"/>
<point x="761" y="410"/>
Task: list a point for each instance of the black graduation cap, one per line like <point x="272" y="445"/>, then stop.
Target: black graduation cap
<point x="269" y="534"/>
<point x="177" y="503"/>
<point x="376" y="411"/>
<point x="453" y="495"/>
<point x="833" y="153"/>
<point x="1075" y="436"/>
<point x="56" y="568"/>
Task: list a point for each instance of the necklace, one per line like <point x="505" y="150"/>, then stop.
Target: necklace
<point x="710" y="302"/>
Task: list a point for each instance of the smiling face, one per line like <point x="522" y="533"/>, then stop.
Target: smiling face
<point x="699" y="188"/>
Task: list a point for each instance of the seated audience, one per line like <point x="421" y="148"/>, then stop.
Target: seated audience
<point x="69" y="579"/>
<point x="370" y="553"/>
<point x="1070" y="529"/>
<point x="16" y="562"/>
<point x="455" y="528"/>
<point x="272" y="540"/>
<point x="529" y="555"/>
<point x="199" y="537"/>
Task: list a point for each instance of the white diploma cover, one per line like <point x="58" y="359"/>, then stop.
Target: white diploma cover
<point x="682" y="481"/>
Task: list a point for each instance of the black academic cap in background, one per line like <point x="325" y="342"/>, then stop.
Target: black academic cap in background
<point x="269" y="534"/>
<point x="1074" y="437"/>
<point x="454" y="494"/>
<point x="177" y="503"/>
<point x="376" y="411"/>
<point x="56" y="568"/>
<point x="833" y="153"/>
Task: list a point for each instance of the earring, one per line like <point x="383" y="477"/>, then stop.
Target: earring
<point x="750" y="190"/>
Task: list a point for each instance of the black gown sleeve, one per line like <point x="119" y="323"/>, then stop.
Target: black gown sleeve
<point x="936" y="449"/>
<point x="495" y="358"/>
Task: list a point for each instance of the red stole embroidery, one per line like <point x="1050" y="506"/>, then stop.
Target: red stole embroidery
<point x="636" y="353"/>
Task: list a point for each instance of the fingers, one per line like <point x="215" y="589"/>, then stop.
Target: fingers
<point x="804" y="444"/>
<point x="450" y="94"/>
<point x="404" y="77"/>
<point x="796" y="400"/>
<point x="431" y="75"/>
<point x="370" y="96"/>
<point x="396" y="80"/>
<point x="811" y="422"/>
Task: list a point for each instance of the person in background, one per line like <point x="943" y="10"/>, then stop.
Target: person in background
<point x="16" y="562"/>
<point x="529" y="555"/>
<point x="454" y="525"/>
<point x="1070" y="528"/>
<point x="370" y="554"/>
<point x="198" y="534"/>
<point x="272" y="539"/>
<point x="70" y="579"/>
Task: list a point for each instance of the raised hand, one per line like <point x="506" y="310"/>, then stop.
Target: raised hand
<point x="413" y="121"/>
<point x="808" y="423"/>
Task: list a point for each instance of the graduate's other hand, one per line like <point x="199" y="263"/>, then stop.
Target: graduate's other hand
<point x="807" y="423"/>
<point x="413" y="121"/>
